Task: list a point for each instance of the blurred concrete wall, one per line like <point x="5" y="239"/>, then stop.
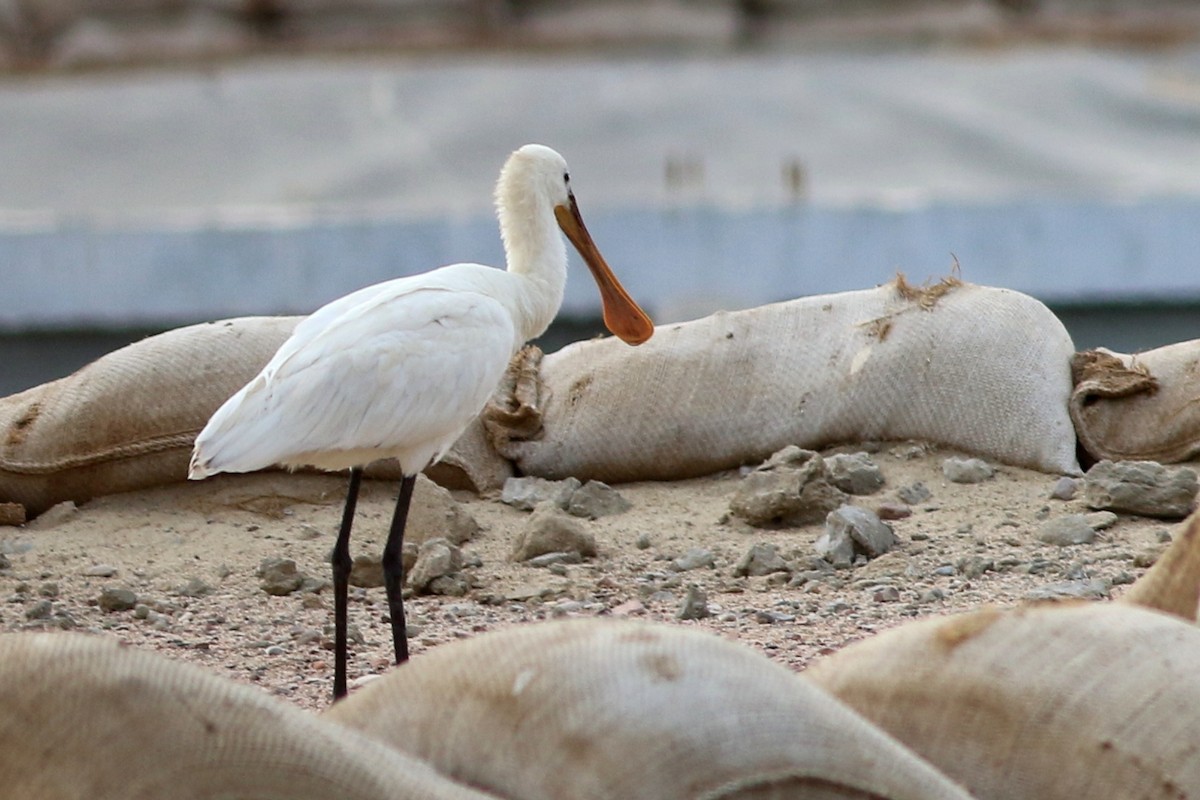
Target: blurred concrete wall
<point x="74" y="33"/>
<point x="680" y="263"/>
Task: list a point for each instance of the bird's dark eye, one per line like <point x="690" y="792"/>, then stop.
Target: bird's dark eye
<point x="566" y="177"/>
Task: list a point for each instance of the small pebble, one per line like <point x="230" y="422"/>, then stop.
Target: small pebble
<point x="886" y="594"/>
<point x="1065" y="489"/>
<point x="694" y="605"/>
<point x="967" y="470"/>
<point x="116" y="598"/>
<point x="39" y="610"/>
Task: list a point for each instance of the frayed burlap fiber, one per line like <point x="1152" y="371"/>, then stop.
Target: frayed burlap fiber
<point x="1143" y="407"/>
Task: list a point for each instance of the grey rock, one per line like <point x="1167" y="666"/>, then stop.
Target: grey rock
<point x="790" y="488"/>
<point x="101" y="571"/>
<point x="194" y="588"/>
<point x="931" y="595"/>
<point x="453" y="585"/>
<point x="915" y="494"/>
<point x="39" y="610"/>
<point x="908" y="452"/>
<point x="694" y="605"/>
<point x="695" y="558"/>
<point x="366" y="571"/>
<point x="835" y="546"/>
<point x="309" y="532"/>
<point x="760" y="559"/>
<point x="552" y="559"/>
<point x="279" y="576"/>
<point x="967" y="470"/>
<point x="1075" y="571"/>
<point x="64" y="620"/>
<point x="766" y="617"/>
<point x="550" y="530"/>
<point x="310" y="585"/>
<point x="1066" y="530"/>
<point x="353" y="635"/>
<point x="1147" y="557"/>
<point x="972" y="567"/>
<point x="528" y="493"/>
<point x="529" y="591"/>
<point x="791" y="456"/>
<point x="436" y="558"/>
<point x="1123" y="578"/>
<point x="595" y="499"/>
<point x="1065" y="488"/>
<point x="852" y="531"/>
<point x="117" y="598"/>
<point x="1101" y="520"/>
<point x="643" y="541"/>
<point x="48" y="589"/>
<point x="1094" y="589"/>
<point x="854" y="473"/>
<point x="435" y="514"/>
<point x="4" y="562"/>
<point x="945" y="570"/>
<point x="1146" y="488"/>
<point x="886" y="594"/>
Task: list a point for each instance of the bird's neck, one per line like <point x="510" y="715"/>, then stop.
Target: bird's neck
<point x="536" y="253"/>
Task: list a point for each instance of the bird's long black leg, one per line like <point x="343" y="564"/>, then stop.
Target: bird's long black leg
<point x="340" y="558"/>
<point x="393" y="569"/>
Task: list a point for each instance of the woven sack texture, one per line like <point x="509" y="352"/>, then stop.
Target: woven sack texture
<point x="89" y="717"/>
<point x="1143" y="407"/>
<point x="982" y="369"/>
<point x="127" y="420"/>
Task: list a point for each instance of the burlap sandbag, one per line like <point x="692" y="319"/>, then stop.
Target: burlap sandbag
<point x="981" y="369"/>
<point x="592" y="709"/>
<point x="128" y="420"/>
<point x="1143" y="407"/>
<point x="89" y="718"/>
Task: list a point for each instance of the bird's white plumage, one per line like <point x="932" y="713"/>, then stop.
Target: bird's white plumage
<point x="372" y="383"/>
<point x="399" y="369"/>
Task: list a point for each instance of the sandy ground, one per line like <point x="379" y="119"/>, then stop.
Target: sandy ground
<point x="154" y="542"/>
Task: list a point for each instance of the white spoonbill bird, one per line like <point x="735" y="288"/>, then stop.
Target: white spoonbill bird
<point x="399" y="369"/>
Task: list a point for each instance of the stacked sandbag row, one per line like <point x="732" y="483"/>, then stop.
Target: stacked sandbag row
<point x="985" y="370"/>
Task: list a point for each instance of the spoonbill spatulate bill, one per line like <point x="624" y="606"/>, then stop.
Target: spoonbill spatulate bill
<point x="399" y="369"/>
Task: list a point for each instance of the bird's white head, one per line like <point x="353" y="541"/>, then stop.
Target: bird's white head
<point x="535" y="180"/>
